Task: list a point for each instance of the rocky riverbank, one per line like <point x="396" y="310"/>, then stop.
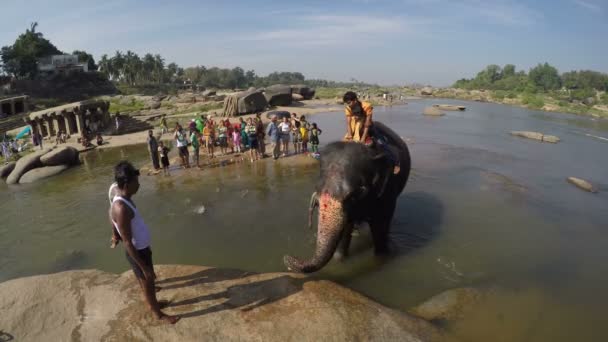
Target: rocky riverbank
<point x="591" y="107"/>
<point x="215" y="304"/>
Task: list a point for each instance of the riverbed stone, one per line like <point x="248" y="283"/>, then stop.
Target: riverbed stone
<point x="37" y="174"/>
<point x="581" y="184"/>
<point x="447" y="305"/>
<point x="536" y="136"/>
<point x="65" y="155"/>
<point x="217" y="304"/>
<point x="433" y="111"/>
<point x="26" y="163"/>
<point x="6" y="169"/>
<point x="449" y="107"/>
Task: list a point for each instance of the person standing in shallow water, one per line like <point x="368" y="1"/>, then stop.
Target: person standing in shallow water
<point x="136" y="236"/>
<point x="153" y="149"/>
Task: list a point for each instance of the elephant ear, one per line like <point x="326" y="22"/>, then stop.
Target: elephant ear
<point x="380" y="180"/>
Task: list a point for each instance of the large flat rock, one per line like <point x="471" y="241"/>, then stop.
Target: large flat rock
<point x="26" y="163"/>
<point x="215" y="304"/>
<point x="37" y="174"/>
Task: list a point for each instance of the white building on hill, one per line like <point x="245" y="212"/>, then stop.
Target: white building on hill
<point x="58" y="64"/>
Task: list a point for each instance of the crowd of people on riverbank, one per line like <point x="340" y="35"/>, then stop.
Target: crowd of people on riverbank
<point x="246" y="136"/>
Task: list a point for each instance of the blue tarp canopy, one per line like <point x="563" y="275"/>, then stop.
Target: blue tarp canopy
<point x="25" y="131"/>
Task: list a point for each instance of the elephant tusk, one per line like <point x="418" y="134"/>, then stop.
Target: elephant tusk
<point x="314" y="202"/>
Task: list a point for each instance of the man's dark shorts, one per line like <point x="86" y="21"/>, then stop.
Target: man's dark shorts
<point x="146" y="256"/>
<point x="183" y="151"/>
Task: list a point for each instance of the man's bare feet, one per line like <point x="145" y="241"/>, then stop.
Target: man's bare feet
<point x="113" y="243"/>
<point x="169" y="319"/>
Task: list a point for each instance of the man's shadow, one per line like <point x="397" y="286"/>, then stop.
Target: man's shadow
<point x="202" y="277"/>
<point x="247" y="296"/>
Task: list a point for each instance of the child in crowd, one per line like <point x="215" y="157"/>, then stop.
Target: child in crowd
<point x="236" y="139"/>
<point x="229" y="131"/>
<point x="208" y="133"/>
<point x="163" y="153"/>
<point x="252" y="135"/>
<point x="314" y="137"/>
<point x="244" y="137"/>
<point x="296" y="137"/>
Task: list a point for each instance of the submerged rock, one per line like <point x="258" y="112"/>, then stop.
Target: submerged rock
<point x="581" y="184"/>
<point x="536" y="136"/>
<point x="224" y="305"/>
<point x="447" y="305"/>
<point x="433" y="111"/>
<point x="41" y="173"/>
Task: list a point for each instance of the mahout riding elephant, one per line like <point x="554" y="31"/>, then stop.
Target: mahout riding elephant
<point x="357" y="184"/>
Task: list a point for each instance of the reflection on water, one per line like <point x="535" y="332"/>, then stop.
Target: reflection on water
<point x="481" y="209"/>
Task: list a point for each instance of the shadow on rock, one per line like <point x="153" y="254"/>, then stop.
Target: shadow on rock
<point x="6" y="337"/>
<point x="417" y="221"/>
<point x="202" y="277"/>
<point x="246" y="296"/>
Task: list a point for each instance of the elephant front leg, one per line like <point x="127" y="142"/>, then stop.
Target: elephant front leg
<point x="342" y="251"/>
<point x="380" y="226"/>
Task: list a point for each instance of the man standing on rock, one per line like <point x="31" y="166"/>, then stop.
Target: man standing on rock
<point x="153" y="149"/>
<point x="135" y="235"/>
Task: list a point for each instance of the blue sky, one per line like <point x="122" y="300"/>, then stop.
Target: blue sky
<point x="383" y="41"/>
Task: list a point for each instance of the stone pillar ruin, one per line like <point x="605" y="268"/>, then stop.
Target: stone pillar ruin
<point x="49" y="124"/>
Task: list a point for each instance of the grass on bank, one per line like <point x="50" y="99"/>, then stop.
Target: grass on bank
<point x="123" y="106"/>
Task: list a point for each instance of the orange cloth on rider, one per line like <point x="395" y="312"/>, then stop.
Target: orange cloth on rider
<point x="357" y="125"/>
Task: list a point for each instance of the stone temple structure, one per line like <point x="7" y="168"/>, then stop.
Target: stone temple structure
<point x="13" y="105"/>
<point x="74" y="118"/>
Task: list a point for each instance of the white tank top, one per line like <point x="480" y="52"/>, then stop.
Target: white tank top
<point x="139" y="231"/>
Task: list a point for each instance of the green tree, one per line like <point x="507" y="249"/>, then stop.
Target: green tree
<point x="84" y="57"/>
<point x="21" y="58"/>
<point x="508" y="71"/>
<point x="545" y="77"/>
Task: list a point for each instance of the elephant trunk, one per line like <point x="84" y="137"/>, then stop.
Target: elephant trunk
<point x="329" y="232"/>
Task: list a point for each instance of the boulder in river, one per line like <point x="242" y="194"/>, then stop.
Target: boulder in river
<point x="433" y="111"/>
<point x="6" y="169"/>
<point x="244" y="103"/>
<point x="223" y="305"/>
<point x="42" y="172"/>
<point x="278" y="95"/>
<point x="26" y="163"/>
<point x="426" y="91"/>
<point x="536" y="136"/>
<point x="581" y="184"/>
<point x="65" y="155"/>
<point x="449" y="107"/>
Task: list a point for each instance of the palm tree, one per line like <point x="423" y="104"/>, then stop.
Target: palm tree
<point x="159" y="68"/>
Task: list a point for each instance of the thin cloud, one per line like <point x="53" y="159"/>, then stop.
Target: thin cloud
<point x="503" y="12"/>
<point x="588" y="5"/>
<point x="322" y="30"/>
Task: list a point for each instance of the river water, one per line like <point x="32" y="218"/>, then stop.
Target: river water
<point x="482" y="209"/>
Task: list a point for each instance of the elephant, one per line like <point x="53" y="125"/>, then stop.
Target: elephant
<point x="356" y="184"/>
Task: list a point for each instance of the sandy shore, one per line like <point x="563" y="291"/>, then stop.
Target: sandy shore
<point x="310" y="107"/>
